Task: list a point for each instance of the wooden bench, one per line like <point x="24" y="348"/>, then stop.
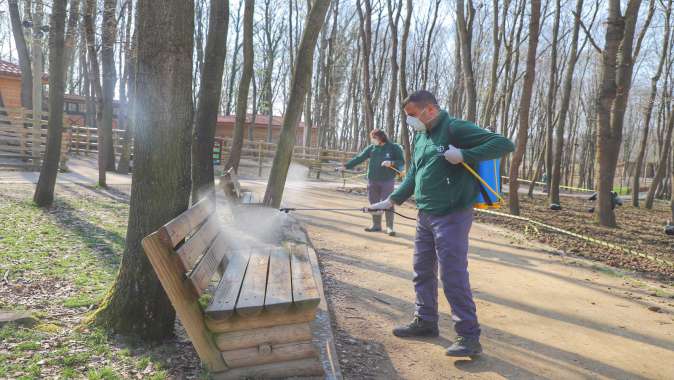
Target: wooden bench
<point x="231" y="187"/>
<point x="257" y="322"/>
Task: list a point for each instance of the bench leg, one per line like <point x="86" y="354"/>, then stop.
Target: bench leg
<point x="168" y="269"/>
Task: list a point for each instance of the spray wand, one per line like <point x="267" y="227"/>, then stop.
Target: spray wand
<point x="360" y="209"/>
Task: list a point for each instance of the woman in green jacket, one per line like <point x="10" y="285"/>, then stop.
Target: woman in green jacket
<point x="386" y="161"/>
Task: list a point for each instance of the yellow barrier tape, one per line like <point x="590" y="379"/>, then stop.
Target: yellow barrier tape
<point x="579" y="236"/>
<point x="543" y="184"/>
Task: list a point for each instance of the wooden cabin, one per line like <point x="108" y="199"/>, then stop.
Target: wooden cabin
<point x="225" y="128"/>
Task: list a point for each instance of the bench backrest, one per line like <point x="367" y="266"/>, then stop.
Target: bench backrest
<point x="185" y="253"/>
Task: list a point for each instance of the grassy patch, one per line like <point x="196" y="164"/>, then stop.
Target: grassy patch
<point x="80" y="300"/>
<point x="607" y="270"/>
<point x="105" y="373"/>
<point x="72" y="251"/>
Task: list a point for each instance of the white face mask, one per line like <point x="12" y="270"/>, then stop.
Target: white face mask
<point x="374" y="141"/>
<point x="416" y="124"/>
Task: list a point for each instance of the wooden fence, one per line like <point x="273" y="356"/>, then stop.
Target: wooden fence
<point x="84" y="140"/>
<point x="23" y="140"/>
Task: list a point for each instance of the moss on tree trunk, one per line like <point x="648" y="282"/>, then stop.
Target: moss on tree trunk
<point x="136" y="304"/>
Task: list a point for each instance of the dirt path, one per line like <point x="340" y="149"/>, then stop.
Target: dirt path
<point x="543" y="315"/>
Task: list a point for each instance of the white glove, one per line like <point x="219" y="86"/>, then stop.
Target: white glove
<point x="387" y="163"/>
<point x="453" y="155"/>
<point x="383" y="205"/>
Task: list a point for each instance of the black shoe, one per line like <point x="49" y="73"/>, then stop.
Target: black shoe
<point x="373" y="229"/>
<point x="390" y="232"/>
<point x="464" y="346"/>
<point x="418" y="327"/>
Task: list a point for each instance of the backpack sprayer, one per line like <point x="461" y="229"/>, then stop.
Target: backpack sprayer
<point x="489" y="178"/>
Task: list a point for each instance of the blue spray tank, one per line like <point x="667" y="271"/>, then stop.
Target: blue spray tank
<point x="489" y="180"/>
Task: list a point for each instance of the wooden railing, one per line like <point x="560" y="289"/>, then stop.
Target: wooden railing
<point x="23" y="140"/>
<point x="257" y="149"/>
<point x="84" y="140"/>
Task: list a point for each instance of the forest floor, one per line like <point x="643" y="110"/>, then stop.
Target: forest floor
<point x="545" y="312"/>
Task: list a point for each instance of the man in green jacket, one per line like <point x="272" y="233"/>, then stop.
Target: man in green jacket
<point x="386" y="161"/>
<point x="444" y="192"/>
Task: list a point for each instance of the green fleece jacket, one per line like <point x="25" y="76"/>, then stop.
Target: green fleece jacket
<point x="378" y="154"/>
<point x="439" y="187"/>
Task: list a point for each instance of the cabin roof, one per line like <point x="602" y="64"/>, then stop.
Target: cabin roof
<point x="10" y="69"/>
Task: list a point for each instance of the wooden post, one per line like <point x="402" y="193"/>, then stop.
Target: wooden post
<point x="88" y="140"/>
<point x="66" y="141"/>
<point x="259" y="158"/>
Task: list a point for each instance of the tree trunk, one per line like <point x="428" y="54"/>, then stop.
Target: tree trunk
<point x="552" y="96"/>
<point x="429" y="45"/>
<point x="464" y="24"/>
<point x="366" y="40"/>
<point x="393" y="89"/>
<point x="44" y="191"/>
<point x="209" y="101"/>
<point x="648" y="111"/>
<point x="525" y="105"/>
<point x="305" y="56"/>
<point x="94" y="79"/>
<point x="38" y="69"/>
<point x="127" y="97"/>
<point x="662" y="162"/>
<point x="244" y="86"/>
<point x="24" y="55"/>
<point x="616" y="73"/>
<point x="404" y="130"/>
<point x="71" y="34"/>
<point x="233" y="65"/>
<point x="555" y="175"/>
<point x="136" y="304"/>
<point x="109" y="79"/>
<point x="671" y="200"/>
<point x="488" y="116"/>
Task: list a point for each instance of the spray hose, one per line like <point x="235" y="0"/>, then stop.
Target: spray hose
<point x="361" y="209"/>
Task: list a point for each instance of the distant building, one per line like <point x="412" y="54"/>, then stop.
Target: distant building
<point x="75" y="109"/>
<point x="225" y="128"/>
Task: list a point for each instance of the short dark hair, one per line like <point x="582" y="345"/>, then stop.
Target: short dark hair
<point x="379" y="134"/>
<point x="421" y="98"/>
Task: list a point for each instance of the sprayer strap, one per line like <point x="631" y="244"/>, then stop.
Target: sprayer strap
<point x="485" y="194"/>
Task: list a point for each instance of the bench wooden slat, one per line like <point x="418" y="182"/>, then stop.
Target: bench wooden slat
<point x="279" y="296"/>
<point x="305" y="291"/>
<point x="227" y="292"/>
<point x="177" y="229"/>
<point x="264" y="319"/>
<point x="247" y="357"/>
<point x="203" y="272"/>
<point x="251" y="299"/>
<point x="294" y="368"/>
<point x="167" y="267"/>
<point x="296" y="332"/>
<point x="196" y="245"/>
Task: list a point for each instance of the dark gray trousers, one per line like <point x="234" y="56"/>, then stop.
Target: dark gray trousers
<point x="378" y="191"/>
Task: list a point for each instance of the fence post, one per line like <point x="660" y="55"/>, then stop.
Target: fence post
<point x="66" y="140"/>
<point x="88" y="140"/>
<point x="36" y="137"/>
<point x="259" y="158"/>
